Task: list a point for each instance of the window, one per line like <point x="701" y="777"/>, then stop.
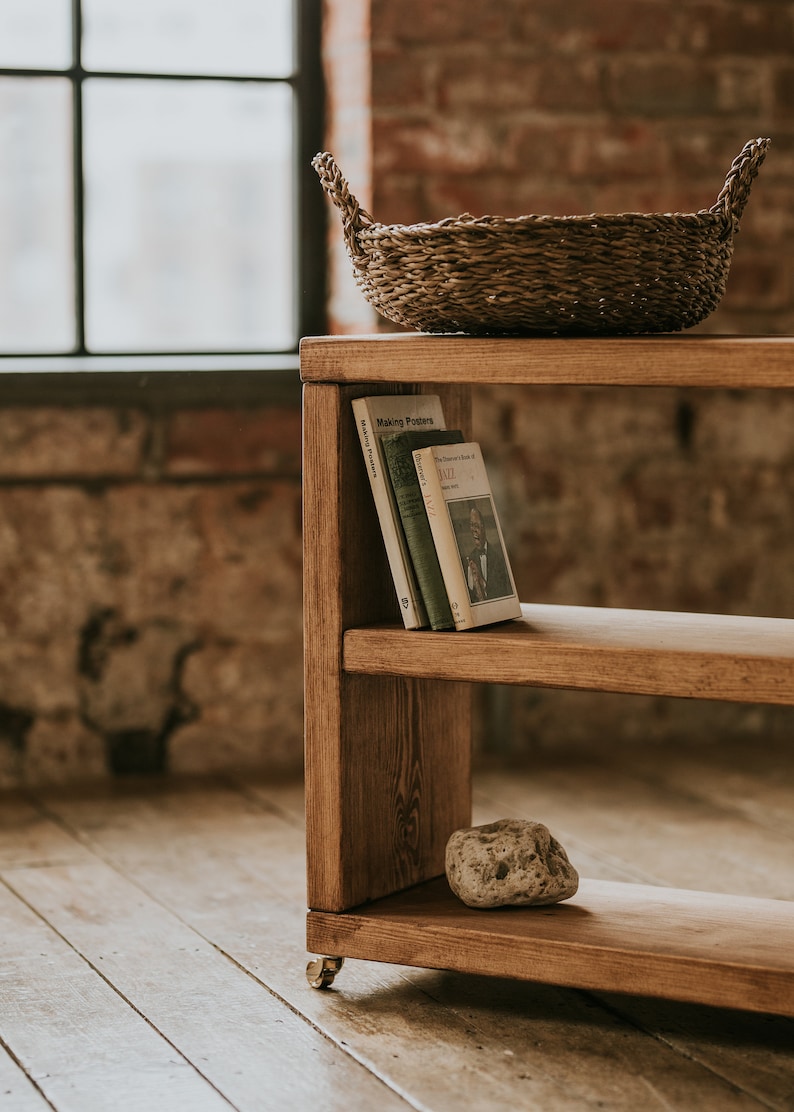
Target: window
<point x="152" y="198"/>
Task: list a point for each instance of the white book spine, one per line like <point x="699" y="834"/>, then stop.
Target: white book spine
<point x="375" y="417"/>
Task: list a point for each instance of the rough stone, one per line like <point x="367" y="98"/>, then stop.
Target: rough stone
<point x="510" y="862"/>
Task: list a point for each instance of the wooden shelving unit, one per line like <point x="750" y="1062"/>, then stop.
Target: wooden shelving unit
<point x="388" y="711"/>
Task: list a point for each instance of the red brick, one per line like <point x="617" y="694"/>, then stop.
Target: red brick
<point x="783" y="86"/>
<point x="538" y="148"/>
<point x="399" y="80"/>
<point x="645" y="86"/>
<point x="499" y="195"/>
<point x="662" y="195"/>
<point x="571" y="85"/>
<point x="620" y="152"/>
<point x="229" y="442"/>
<point x="44" y="441"/>
<point x="742" y="87"/>
<point x="450" y="145"/>
<point x="769" y="216"/>
<point x="401" y="199"/>
<point x="705" y="155"/>
<point x="749" y="28"/>
<point x="440" y="22"/>
<point x="758" y="281"/>
<point x="479" y="81"/>
<point x="584" y="28"/>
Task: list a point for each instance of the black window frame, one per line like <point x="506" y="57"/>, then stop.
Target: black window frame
<point x="310" y="279"/>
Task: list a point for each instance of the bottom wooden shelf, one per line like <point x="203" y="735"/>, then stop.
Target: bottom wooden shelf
<point x="701" y="947"/>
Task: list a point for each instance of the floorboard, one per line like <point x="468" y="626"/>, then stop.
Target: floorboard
<point x="155" y="932"/>
<point x="16" y="1089"/>
<point x="76" y="1038"/>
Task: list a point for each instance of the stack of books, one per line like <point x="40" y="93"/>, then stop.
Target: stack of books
<point x="436" y="511"/>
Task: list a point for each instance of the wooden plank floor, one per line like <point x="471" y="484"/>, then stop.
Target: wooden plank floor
<point x="152" y="954"/>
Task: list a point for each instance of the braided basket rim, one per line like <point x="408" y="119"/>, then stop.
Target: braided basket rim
<point x="465" y="222"/>
<point x="727" y="207"/>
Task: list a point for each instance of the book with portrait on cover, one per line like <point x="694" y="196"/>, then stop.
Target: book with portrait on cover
<point x="376" y="417"/>
<point x="467" y="534"/>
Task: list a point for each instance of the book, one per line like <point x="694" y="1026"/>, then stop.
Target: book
<point x="467" y="535"/>
<point x="376" y="417"/>
<point x="398" y="451"/>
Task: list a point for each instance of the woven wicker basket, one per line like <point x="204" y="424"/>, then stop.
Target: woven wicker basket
<point x="587" y="275"/>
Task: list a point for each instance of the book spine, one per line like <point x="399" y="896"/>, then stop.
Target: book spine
<point x="412" y="608"/>
<point x="405" y="484"/>
<point x="444" y="540"/>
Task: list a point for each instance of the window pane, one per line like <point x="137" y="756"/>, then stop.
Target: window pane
<point x="189" y="216"/>
<point x="36" y="239"/>
<point x="234" y="37"/>
<point x="35" y="34"/>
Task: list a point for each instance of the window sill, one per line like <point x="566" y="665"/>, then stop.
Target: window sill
<point x="151" y="381"/>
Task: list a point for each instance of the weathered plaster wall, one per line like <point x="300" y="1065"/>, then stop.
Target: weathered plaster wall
<point x="150" y="596"/>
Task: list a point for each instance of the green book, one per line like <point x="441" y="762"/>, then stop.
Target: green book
<point x="397" y="450"/>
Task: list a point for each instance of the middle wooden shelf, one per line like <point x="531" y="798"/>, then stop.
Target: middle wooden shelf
<point x="649" y="652"/>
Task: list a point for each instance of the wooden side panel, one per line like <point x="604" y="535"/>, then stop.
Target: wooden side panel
<point x="387" y="759"/>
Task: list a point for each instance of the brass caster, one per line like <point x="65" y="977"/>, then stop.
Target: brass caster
<point x="320" y="972"/>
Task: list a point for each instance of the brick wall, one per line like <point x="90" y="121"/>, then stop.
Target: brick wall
<point x="521" y="107"/>
<point x="670" y="499"/>
<point x="150" y="591"/>
<point x="649" y="498"/>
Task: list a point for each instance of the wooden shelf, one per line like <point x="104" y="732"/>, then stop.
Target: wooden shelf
<point x="727" y="951"/>
<point x="669" y="360"/>
<point x="649" y="652"/>
<point x="388" y="736"/>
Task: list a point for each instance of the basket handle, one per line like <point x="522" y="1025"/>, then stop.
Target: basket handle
<point x="354" y="217"/>
<point x="734" y="194"/>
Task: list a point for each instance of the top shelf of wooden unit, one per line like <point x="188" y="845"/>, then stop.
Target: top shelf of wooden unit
<point x="738" y="362"/>
<point x="646" y="652"/>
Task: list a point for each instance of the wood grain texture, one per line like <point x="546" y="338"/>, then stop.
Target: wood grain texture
<point x="387" y="759"/>
<point x="174" y="977"/>
<point x="702" y="656"/>
<point x="17" y="1091"/>
<point x="670" y="360"/>
<point x="672" y="943"/>
<point x="75" y="1035"/>
<point x="444" y="1041"/>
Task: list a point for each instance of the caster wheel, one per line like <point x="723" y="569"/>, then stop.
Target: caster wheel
<point x="320" y="972"/>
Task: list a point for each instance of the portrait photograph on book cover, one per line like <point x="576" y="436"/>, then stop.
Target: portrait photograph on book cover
<point x="481" y="549"/>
